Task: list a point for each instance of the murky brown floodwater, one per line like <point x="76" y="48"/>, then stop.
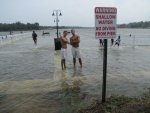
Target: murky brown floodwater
<point x="31" y="79"/>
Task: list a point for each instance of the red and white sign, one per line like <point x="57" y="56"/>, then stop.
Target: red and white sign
<point x="105" y="22"/>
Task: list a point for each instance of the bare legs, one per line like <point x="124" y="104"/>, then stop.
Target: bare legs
<point x="118" y="44"/>
<point x="63" y="64"/>
<point x="80" y="61"/>
<point x="35" y="41"/>
<point x="74" y="62"/>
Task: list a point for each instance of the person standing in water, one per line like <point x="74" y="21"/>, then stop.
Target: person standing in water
<point x="64" y="41"/>
<point x="74" y="41"/>
<point x="34" y="36"/>
<point x="117" y="42"/>
<point x="112" y="42"/>
<point x="101" y="42"/>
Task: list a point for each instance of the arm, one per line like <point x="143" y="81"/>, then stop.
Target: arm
<point x="65" y="40"/>
<point x="77" y="40"/>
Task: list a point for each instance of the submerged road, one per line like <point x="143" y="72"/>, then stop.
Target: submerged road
<point x="20" y="60"/>
<point x="25" y="74"/>
<point x="31" y="79"/>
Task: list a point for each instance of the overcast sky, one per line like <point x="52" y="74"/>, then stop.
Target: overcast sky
<point x="74" y="12"/>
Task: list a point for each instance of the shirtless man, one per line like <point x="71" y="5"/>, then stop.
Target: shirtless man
<point x="117" y="42"/>
<point x="64" y="41"/>
<point x="74" y="41"/>
<point x="112" y="42"/>
<point x="34" y="36"/>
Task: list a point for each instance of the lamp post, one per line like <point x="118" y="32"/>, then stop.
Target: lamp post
<point x="57" y="40"/>
<point x="57" y="13"/>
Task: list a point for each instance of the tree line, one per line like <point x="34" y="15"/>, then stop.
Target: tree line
<point x="18" y="26"/>
<point x="140" y="24"/>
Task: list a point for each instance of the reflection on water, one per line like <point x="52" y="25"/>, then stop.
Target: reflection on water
<point x="31" y="79"/>
<point x="71" y="80"/>
<point x="43" y="96"/>
<point x="71" y="96"/>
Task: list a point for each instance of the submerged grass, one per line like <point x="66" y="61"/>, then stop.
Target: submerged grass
<point x="120" y="104"/>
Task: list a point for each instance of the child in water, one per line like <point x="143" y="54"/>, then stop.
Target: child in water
<point x="117" y="42"/>
<point x="101" y="42"/>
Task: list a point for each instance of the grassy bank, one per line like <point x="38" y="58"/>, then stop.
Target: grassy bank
<point x="120" y="104"/>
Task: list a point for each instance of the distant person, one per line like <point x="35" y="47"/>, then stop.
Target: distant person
<point x="10" y="32"/>
<point x="117" y="42"/>
<point x="34" y="36"/>
<point x="74" y="41"/>
<point x="130" y="35"/>
<point x="64" y="41"/>
<point x="112" y="42"/>
<point x="101" y="42"/>
<point x="43" y="33"/>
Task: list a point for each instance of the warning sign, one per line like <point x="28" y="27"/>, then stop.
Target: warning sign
<point x="105" y="22"/>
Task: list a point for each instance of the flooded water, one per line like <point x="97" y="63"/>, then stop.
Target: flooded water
<point x="31" y="79"/>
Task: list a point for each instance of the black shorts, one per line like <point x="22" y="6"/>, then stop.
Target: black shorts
<point x="117" y="43"/>
<point x="34" y="38"/>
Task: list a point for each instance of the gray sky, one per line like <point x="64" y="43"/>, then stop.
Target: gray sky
<point x="74" y="12"/>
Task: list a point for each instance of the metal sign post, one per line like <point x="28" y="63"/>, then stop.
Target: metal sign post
<point x="104" y="71"/>
<point x="105" y="28"/>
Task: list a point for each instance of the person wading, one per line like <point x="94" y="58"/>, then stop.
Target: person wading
<point x="34" y="36"/>
<point x="74" y="41"/>
<point x="64" y="41"/>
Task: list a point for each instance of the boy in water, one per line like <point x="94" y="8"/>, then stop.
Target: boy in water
<point x="34" y="36"/>
<point x="64" y="41"/>
<point x="74" y="41"/>
<point x="101" y="42"/>
<point x="112" y="42"/>
<point x="117" y="42"/>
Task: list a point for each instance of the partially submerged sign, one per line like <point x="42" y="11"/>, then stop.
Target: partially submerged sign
<point x="105" y="22"/>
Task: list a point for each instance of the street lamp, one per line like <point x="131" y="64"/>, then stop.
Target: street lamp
<point x="57" y="13"/>
<point x="57" y="40"/>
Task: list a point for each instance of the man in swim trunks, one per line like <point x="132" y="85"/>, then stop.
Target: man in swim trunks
<point x="117" y="42"/>
<point x="34" y="36"/>
<point x="64" y="41"/>
<point x="112" y="42"/>
<point x="74" y="41"/>
<point x="101" y="42"/>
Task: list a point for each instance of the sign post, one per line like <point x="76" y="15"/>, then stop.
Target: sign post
<point x="104" y="71"/>
<point x="105" y="28"/>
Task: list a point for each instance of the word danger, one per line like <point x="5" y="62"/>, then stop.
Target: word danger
<point x="105" y="10"/>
